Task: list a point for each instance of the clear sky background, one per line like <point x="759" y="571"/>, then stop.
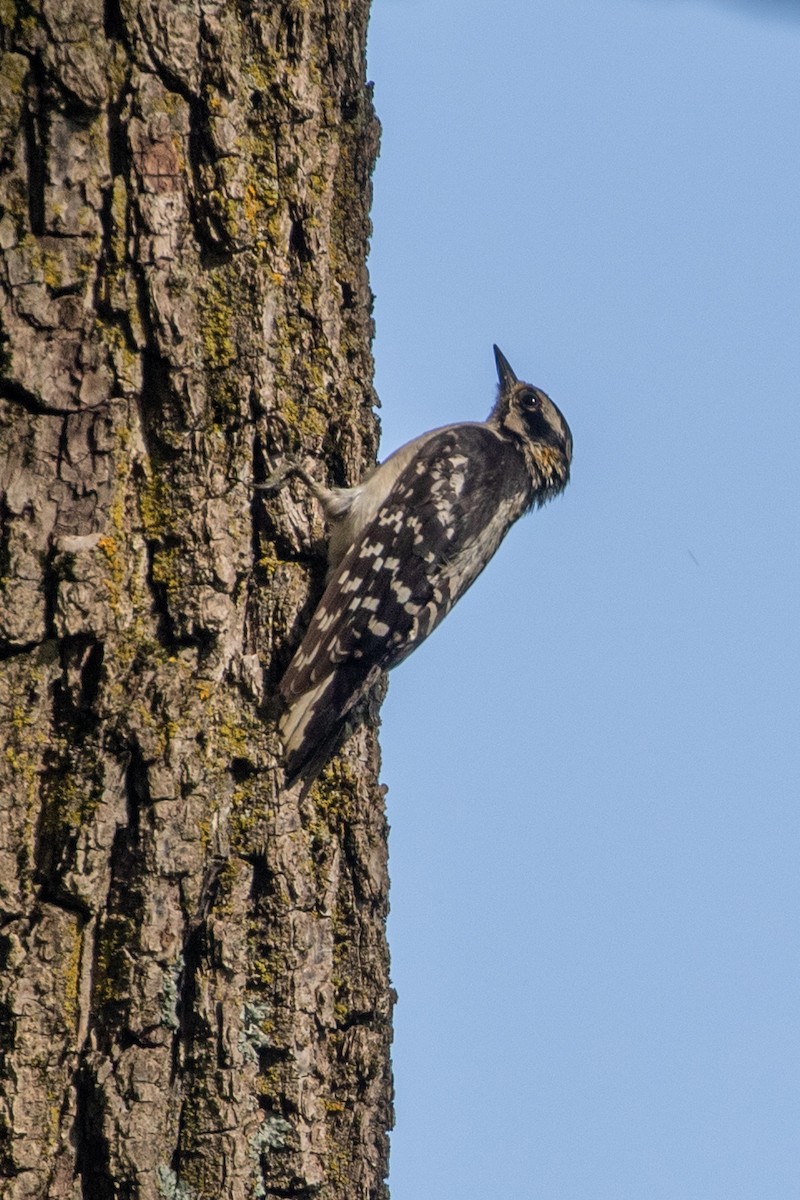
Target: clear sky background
<point x="594" y="765"/>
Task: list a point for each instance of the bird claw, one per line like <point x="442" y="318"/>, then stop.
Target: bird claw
<point x="277" y="480"/>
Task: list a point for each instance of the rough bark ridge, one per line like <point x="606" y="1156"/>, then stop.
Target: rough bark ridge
<point x="194" y="970"/>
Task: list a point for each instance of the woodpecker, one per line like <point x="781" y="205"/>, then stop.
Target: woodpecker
<point x="404" y="546"/>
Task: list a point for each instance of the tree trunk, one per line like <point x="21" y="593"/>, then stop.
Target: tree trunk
<point x="194" y="965"/>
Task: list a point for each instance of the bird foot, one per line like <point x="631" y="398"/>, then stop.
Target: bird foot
<point x="279" y="477"/>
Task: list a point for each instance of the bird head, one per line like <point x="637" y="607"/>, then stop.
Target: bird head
<point x="527" y="414"/>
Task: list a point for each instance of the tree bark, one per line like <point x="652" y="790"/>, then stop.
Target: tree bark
<point x="194" y="966"/>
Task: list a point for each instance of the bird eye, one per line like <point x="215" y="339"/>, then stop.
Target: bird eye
<point x="530" y="399"/>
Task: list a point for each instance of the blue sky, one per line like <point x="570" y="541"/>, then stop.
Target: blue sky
<point x="594" y="765"/>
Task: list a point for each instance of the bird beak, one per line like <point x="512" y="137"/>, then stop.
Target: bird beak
<point x="504" y="372"/>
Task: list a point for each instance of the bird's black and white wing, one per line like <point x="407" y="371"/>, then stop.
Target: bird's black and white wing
<point x="433" y="533"/>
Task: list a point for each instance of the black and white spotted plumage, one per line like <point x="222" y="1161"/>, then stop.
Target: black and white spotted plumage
<point x="406" y="544"/>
